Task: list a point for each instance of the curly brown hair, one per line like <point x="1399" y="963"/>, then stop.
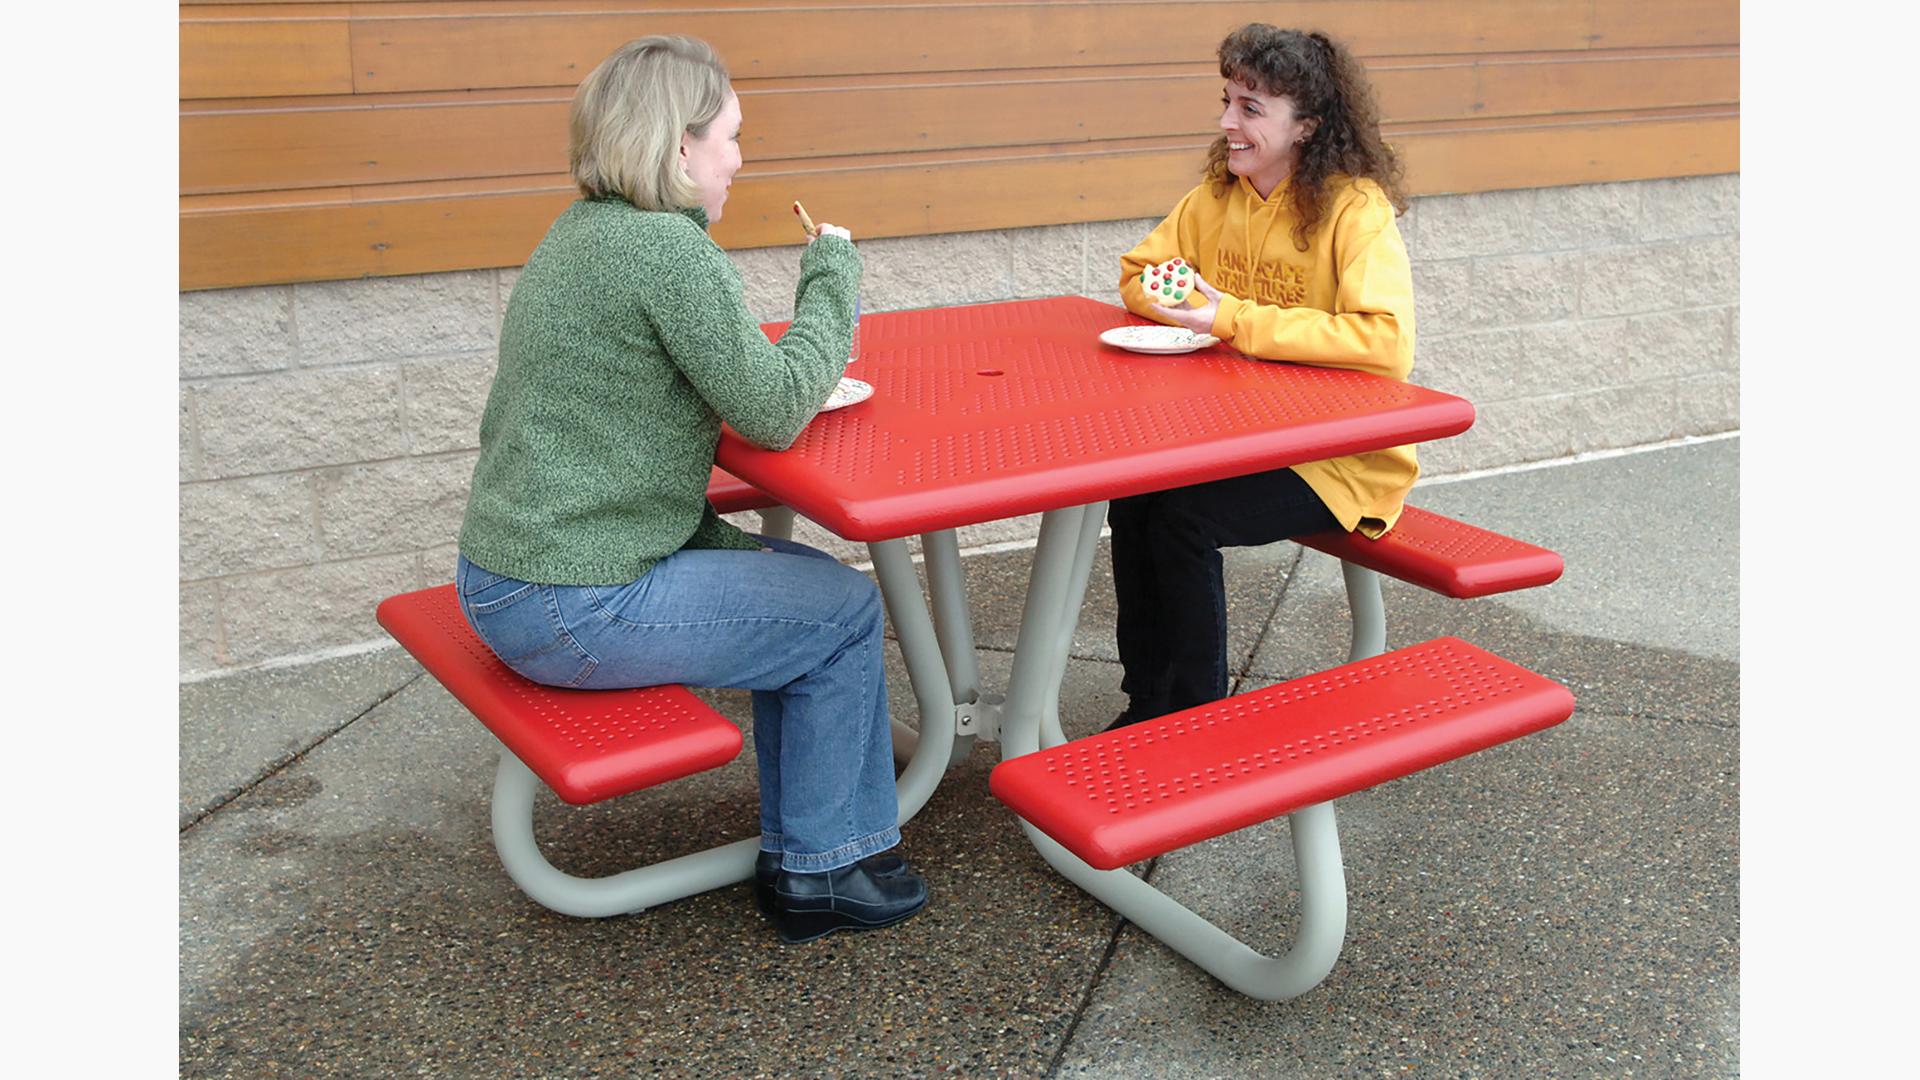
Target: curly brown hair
<point x="1323" y="80"/>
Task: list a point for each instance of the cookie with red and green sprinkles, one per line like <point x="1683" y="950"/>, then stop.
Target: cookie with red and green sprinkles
<point x="1168" y="283"/>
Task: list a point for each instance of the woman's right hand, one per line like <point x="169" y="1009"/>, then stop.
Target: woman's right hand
<point x="831" y="230"/>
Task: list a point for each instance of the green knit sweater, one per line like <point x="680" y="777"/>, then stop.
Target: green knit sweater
<point x="626" y="343"/>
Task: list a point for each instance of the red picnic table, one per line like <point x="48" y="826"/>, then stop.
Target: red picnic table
<point x="999" y="410"/>
<point x="981" y="413"/>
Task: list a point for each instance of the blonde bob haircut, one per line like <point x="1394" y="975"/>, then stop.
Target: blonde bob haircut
<point x="628" y="116"/>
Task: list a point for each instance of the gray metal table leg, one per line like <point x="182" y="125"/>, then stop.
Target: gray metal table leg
<point x="947" y="589"/>
<point x="920" y="648"/>
<point x="1086" y="543"/>
<point x="777" y="521"/>
<point x="1039" y="654"/>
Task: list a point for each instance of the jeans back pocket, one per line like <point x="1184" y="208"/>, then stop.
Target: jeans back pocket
<point x="483" y="591"/>
<point x="520" y="622"/>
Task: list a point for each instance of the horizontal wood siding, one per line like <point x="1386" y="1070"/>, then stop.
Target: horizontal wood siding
<point x="285" y="51"/>
<point x="324" y="141"/>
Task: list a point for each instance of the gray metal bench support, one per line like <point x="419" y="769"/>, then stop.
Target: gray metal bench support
<point x="1368" y="610"/>
<point x="515" y="785"/>
<point x="1058" y="577"/>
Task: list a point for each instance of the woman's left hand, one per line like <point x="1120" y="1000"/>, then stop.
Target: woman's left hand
<point x="1197" y="319"/>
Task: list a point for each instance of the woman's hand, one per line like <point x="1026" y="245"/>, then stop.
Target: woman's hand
<point x="1200" y="319"/>
<point x="830" y="230"/>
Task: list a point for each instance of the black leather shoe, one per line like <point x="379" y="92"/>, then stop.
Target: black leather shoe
<point x="809" y="906"/>
<point x="766" y="870"/>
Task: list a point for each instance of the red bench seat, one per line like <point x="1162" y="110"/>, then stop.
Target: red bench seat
<point x="587" y="745"/>
<point x="1143" y="790"/>
<point x="729" y="494"/>
<point x="1447" y="556"/>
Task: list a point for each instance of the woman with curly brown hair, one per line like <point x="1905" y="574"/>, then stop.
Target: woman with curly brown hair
<point x="1291" y="233"/>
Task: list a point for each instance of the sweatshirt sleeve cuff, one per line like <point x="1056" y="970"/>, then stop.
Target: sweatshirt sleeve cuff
<point x="1224" y="316"/>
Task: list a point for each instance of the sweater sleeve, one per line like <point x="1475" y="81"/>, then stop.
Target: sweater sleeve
<point x="1163" y="243"/>
<point x="766" y="392"/>
<point x="1371" y="325"/>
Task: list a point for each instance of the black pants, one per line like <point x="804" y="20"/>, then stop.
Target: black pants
<point x="1167" y="577"/>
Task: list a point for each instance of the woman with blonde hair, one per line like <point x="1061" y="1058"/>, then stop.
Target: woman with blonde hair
<point x="590" y="556"/>
<point x="1291" y="232"/>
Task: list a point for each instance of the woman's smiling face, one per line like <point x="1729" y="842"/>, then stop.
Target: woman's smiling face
<point x="1263" y="135"/>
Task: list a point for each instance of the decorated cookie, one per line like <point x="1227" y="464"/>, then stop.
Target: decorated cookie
<point x="1168" y="283"/>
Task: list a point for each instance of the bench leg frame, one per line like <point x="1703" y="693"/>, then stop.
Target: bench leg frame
<point x="514" y="786"/>
<point x="939" y="653"/>
<point x="1061" y="564"/>
<point x="1316" y="943"/>
<point x="926" y="760"/>
<point x="1368" y="610"/>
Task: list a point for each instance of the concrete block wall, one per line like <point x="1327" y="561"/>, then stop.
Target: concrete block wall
<point x="328" y="431"/>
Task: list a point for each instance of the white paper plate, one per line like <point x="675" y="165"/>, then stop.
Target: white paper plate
<point x="1157" y="339"/>
<point x="851" y="391"/>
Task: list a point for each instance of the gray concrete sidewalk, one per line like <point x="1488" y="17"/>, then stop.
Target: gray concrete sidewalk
<point x="1565" y="905"/>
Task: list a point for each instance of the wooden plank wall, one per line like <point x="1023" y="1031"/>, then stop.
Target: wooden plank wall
<point x="336" y="140"/>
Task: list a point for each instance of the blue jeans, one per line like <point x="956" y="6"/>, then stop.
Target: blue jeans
<point x="794" y="625"/>
<point x="1170" y="587"/>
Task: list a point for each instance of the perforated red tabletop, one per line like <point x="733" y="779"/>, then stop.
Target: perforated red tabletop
<point x="997" y="410"/>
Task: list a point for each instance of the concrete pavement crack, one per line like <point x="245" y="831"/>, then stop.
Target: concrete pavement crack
<point x="1099" y="974"/>
<point x="279" y="766"/>
<point x="1720" y="725"/>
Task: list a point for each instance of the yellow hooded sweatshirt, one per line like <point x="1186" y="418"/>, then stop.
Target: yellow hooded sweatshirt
<point x="1345" y="302"/>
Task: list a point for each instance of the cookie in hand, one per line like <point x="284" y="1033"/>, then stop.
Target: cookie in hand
<point x="1168" y="283"/>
